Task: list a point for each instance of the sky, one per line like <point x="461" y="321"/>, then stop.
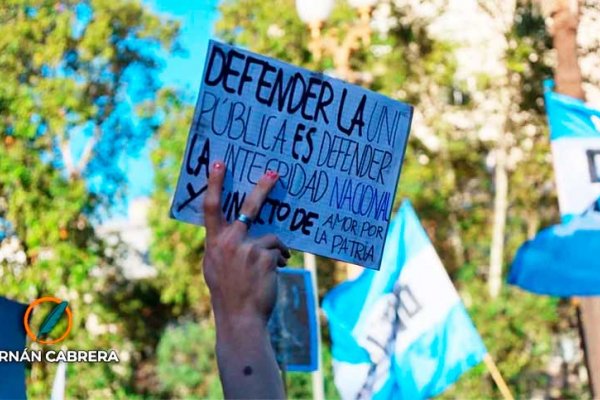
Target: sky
<point x="183" y="71"/>
<point x="196" y="17"/>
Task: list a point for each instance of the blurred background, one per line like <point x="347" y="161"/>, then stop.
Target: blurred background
<point x="96" y="99"/>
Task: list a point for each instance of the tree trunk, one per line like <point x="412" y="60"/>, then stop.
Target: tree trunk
<point x="500" y="208"/>
<point x="503" y="13"/>
<point x="569" y="82"/>
<point x="568" y="74"/>
<point x="589" y="309"/>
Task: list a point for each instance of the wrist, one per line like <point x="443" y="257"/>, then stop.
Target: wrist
<point x="240" y="334"/>
<point x="230" y="324"/>
<point x="245" y="357"/>
<point x="228" y="316"/>
<point x="244" y="323"/>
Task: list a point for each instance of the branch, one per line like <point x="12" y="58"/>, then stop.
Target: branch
<point x="502" y="13"/>
<point x="88" y="151"/>
<point x="67" y="157"/>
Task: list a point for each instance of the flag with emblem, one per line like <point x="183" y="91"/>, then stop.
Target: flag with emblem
<point x="562" y="260"/>
<point x="402" y="332"/>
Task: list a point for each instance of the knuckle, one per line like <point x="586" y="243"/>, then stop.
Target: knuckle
<point x="264" y="185"/>
<point x="252" y="208"/>
<point x="266" y="259"/>
<point x="254" y="251"/>
<point x="227" y="245"/>
<point x="271" y="238"/>
<point x="211" y="204"/>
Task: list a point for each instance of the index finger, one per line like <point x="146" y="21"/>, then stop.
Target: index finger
<point x="253" y="203"/>
<point x="213" y="217"/>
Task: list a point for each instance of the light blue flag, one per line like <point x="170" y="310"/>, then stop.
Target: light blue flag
<point x="563" y="260"/>
<point x="402" y="332"/>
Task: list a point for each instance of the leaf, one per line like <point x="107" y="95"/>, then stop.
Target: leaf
<point x="52" y="319"/>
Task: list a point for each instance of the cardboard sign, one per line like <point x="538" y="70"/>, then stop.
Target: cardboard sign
<point x="293" y="324"/>
<point x="338" y="149"/>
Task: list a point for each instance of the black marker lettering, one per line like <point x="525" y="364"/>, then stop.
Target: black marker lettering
<point x="324" y="101"/>
<point x="230" y="71"/>
<point x="203" y="158"/>
<point x="263" y="83"/>
<point x="193" y="195"/>
<point x="216" y="51"/>
<point x="357" y="120"/>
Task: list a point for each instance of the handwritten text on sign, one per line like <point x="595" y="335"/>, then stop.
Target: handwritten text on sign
<point x="337" y="147"/>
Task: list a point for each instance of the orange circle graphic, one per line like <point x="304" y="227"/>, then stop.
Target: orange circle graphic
<point x="37" y="303"/>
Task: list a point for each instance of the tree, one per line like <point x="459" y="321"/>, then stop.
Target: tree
<point x="177" y="248"/>
<point x="67" y="70"/>
<point x="448" y="172"/>
<point x="445" y="172"/>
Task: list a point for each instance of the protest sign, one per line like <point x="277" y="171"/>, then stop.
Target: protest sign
<point x="338" y="149"/>
<point x="293" y="324"/>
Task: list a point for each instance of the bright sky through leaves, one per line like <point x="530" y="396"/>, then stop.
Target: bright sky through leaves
<point x="182" y="70"/>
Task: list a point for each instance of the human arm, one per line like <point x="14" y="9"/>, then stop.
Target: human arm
<point x="241" y="275"/>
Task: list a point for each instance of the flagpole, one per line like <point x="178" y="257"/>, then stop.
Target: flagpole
<point x="283" y="370"/>
<point x="310" y="264"/>
<point x="60" y="381"/>
<point x="498" y="379"/>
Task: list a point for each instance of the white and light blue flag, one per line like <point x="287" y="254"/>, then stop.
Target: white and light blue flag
<point x="401" y="332"/>
<point x="563" y="260"/>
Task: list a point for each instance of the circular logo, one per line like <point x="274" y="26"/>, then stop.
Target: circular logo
<point x="51" y="320"/>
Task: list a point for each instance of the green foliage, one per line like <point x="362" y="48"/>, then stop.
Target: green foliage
<point x="62" y="73"/>
<point x="451" y="186"/>
<point x="186" y="362"/>
<point x="60" y="77"/>
<point x="177" y="248"/>
<point x="516" y="329"/>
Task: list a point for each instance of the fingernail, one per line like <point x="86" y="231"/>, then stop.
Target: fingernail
<point x="272" y="174"/>
<point x="217" y="165"/>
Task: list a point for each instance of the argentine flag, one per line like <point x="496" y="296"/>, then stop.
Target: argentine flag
<point x="401" y="332"/>
<point x="564" y="260"/>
